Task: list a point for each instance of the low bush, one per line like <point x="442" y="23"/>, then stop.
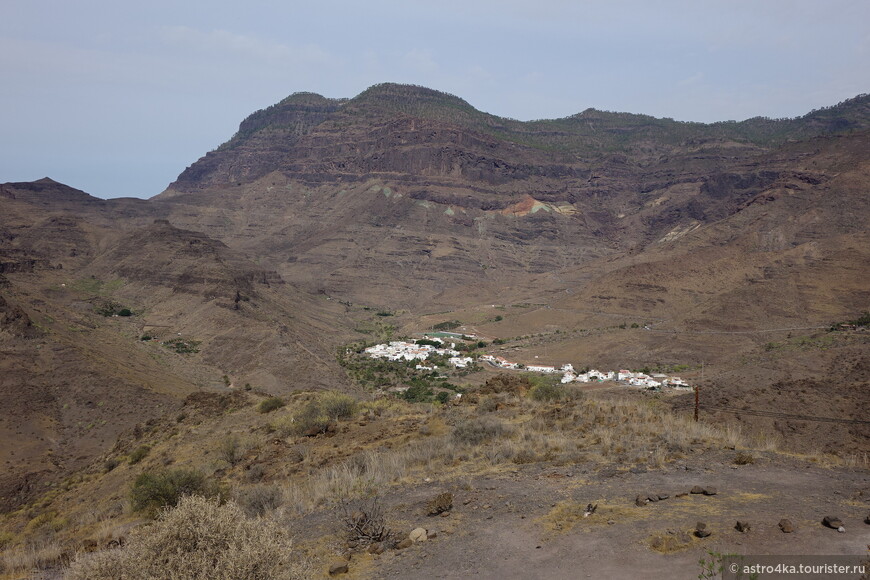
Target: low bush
<point x="365" y="523"/>
<point x="138" y="454"/>
<point x="548" y="392"/>
<point x="310" y="420"/>
<point x="474" y="431"/>
<point x="199" y="539"/>
<point x="257" y="500"/>
<point x="338" y="406"/>
<point x="270" y="404"/>
<point x="231" y="449"/>
<point x="744" y="459"/>
<point x="153" y="491"/>
<point x="419" y="393"/>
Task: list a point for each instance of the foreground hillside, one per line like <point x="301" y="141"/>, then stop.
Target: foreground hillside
<point x="519" y="461"/>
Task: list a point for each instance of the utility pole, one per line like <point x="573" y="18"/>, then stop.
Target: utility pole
<point x="697" y="390"/>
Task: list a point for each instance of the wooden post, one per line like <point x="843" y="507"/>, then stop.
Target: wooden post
<point x="696" y="403"/>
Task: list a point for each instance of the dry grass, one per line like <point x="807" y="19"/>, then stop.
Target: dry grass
<point x="566" y="433"/>
<point x="198" y="539"/>
<point x="32" y="557"/>
<point x="670" y="542"/>
<point x="566" y="515"/>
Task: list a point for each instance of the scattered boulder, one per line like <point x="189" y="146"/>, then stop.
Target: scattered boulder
<point x="742" y="527"/>
<point x="834" y="523"/>
<point x="418" y="535"/>
<point x="701" y="530"/>
<point x="431" y="535"/>
<point x="786" y="526"/>
<point x="406" y="543"/>
<point x="682" y="494"/>
<point x="663" y="496"/>
<point x="653" y="497"/>
<point x="640" y="501"/>
<point x="710" y="491"/>
<point x="338" y="568"/>
<point x="697" y="490"/>
<point x="439" y="504"/>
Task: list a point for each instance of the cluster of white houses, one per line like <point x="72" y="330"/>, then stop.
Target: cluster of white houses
<point x="410" y="351"/>
<point x="569" y="375"/>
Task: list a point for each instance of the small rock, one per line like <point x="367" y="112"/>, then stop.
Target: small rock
<point x="338" y="568"/>
<point x="841" y="529"/>
<point x="406" y="543"/>
<point x="742" y="527"/>
<point x="418" y="535"/>
<point x="663" y="496"/>
<point x="786" y="526"/>
<point x="639" y="469"/>
<point x="710" y="491"/>
<point x="431" y="535"/>
<point x="682" y="494"/>
<point x="376" y="548"/>
<point x="697" y="489"/>
<point x="701" y="530"/>
<point x="832" y="522"/>
<point x="683" y="537"/>
<point x="445" y="514"/>
<point x="640" y="501"/>
<point x="610" y="522"/>
<point x="652" y="497"/>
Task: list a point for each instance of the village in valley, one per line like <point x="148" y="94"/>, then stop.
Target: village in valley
<point x="422" y="349"/>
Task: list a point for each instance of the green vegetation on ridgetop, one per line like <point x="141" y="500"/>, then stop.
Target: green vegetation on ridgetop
<point x="586" y="132"/>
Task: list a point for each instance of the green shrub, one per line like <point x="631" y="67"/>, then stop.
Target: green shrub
<point x="443" y="397"/>
<point x="270" y="404"/>
<point x="548" y="392"/>
<point x="153" y="491"/>
<point x="418" y="393"/>
<point x="474" y="431"/>
<point x="310" y="420"/>
<point x="125" y="312"/>
<point x="182" y="346"/>
<point x="110" y="464"/>
<point x="231" y="449"/>
<point x="338" y="406"/>
<point x="138" y="454"/>
<point x="447" y="325"/>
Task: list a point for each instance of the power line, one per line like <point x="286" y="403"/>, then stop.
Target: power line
<point x="774" y="414"/>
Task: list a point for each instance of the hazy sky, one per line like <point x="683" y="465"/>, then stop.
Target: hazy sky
<point x="118" y="97"/>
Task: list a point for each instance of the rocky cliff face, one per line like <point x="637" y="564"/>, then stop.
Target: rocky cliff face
<point x="345" y="195"/>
